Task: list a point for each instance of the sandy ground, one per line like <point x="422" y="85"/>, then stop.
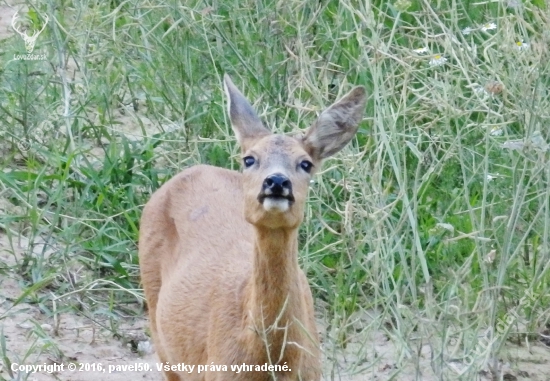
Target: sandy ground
<point x="32" y="338"/>
<point x="7" y="10"/>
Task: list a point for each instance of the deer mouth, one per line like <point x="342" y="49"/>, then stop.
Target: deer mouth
<point x="275" y="197"/>
<point x="276" y="203"/>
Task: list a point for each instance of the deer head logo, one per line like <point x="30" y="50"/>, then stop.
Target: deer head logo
<point x="29" y="40"/>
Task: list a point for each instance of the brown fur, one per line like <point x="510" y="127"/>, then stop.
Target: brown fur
<point x="221" y="273"/>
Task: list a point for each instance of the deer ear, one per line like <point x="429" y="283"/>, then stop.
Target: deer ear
<point x="336" y="126"/>
<point x="246" y="124"/>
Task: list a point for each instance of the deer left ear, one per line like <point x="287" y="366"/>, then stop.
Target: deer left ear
<point x="336" y="126"/>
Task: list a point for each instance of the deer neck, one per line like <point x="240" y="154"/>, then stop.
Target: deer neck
<point x="274" y="287"/>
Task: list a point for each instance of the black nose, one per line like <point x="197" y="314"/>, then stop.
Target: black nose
<point x="277" y="185"/>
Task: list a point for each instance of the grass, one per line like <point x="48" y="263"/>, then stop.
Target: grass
<point x="430" y="227"/>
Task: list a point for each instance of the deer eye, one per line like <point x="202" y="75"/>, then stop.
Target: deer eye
<point x="306" y="165"/>
<point x="248" y="161"/>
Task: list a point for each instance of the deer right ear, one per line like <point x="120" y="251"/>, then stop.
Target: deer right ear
<point x="244" y="120"/>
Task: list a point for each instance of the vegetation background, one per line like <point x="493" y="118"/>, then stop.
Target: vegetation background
<point x="432" y="229"/>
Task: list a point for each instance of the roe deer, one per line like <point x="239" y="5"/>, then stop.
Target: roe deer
<point x="219" y="252"/>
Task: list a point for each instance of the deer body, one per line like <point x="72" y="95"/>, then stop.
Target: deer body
<point x="219" y="253"/>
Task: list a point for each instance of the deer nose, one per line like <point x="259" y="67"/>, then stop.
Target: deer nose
<point x="277" y="185"/>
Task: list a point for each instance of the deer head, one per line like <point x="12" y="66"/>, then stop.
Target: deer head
<point x="278" y="168"/>
<point x="29" y="40"/>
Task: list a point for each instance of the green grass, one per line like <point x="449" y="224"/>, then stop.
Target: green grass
<point x="435" y="221"/>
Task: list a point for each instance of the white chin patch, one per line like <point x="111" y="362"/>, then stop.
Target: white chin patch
<point x="275" y="204"/>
